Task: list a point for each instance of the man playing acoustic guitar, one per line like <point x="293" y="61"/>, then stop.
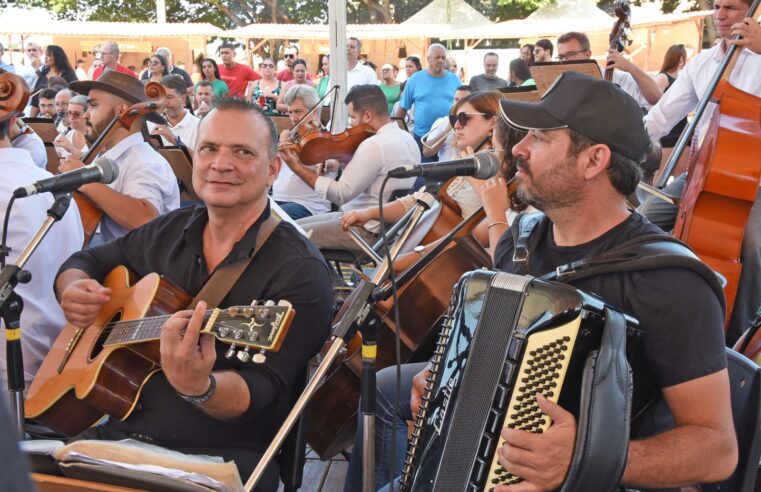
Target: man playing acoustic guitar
<point x="202" y="402"/>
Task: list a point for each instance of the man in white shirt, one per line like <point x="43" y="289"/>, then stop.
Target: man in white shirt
<point x="23" y="137"/>
<point x="146" y="186"/>
<point x="357" y="73"/>
<point x="361" y="180"/>
<point x="41" y="318"/>
<point x="182" y="127"/>
<point x="682" y="98"/>
<point x="632" y="79"/>
<point x="289" y="191"/>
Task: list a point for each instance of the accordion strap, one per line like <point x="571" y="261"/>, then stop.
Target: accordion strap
<point x="602" y="434"/>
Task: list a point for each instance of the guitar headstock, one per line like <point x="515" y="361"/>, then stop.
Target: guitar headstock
<point x="620" y="35"/>
<point x="258" y="326"/>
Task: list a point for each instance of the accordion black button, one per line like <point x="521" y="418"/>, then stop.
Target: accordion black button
<point x="515" y="349"/>
<point x="486" y="445"/>
<point x="493" y="422"/>
<point x="479" y="471"/>
<point x="507" y="373"/>
<point x="501" y="397"/>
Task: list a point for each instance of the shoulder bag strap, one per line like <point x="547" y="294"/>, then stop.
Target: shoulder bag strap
<point x="222" y="280"/>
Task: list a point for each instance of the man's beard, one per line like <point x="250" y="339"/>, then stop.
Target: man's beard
<point x="557" y="187"/>
<point x="97" y="130"/>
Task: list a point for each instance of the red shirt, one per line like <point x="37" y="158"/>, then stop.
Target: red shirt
<point x="119" y="68"/>
<point x="237" y="78"/>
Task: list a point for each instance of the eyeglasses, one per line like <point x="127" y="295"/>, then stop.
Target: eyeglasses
<point x="74" y="114"/>
<point x="463" y="118"/>
<point x="154" y="62"/>
<point x="570" y="54"/>
<point x="289" y="55"/>
<point x="105" y="53"/>
<point x="266" y="65"/>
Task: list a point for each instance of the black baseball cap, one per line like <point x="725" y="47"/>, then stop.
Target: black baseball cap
<point x="596" y="108"/>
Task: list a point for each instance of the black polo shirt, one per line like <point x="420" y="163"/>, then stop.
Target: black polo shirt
<point x="288" y="267"/>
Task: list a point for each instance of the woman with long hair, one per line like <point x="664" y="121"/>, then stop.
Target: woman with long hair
<point x="210" y="72"/>
<point x="267" y="89"/>
<point x="527" y="54"/>
<point x="73" y="141"/>
<point x="299" y="69"/>
<point x="158" y="68"/>
<point x="56" y="65"/>
<point x="519" y="75"/>
<point x="673" y="63"/>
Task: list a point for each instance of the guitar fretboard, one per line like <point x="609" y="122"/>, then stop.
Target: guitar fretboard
<point x="137" y="330"/>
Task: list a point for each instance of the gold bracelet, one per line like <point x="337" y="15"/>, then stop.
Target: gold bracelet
<point x="496" y="223"/>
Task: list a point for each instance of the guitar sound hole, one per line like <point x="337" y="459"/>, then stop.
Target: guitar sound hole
<point x="97" y="347"/>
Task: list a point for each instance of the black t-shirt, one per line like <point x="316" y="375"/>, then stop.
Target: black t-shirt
<point x="679" y="314"/>
<point x="288" y="267"/>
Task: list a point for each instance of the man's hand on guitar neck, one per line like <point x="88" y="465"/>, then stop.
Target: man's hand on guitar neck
<point x="187" y="359"/>
<point x="81" y="297"/>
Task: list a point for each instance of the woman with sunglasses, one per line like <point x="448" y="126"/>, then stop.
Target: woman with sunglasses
<point x="73" y="141"/>
<point x="210" y="72"/>
<point x="158" y="68"/>
<point x="267" y="89"/>
<point x="56" y="65"/>
<point x="299" y="78"/>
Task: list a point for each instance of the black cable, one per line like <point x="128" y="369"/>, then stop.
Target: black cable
<point x="3" y="246"/>
<point x="397" y="340"/>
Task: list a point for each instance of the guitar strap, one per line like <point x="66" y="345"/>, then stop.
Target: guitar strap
<point x="222" y="280"/>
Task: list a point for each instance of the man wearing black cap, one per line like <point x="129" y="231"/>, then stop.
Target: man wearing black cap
<point x="578" y="164"/>
<point x="146" y="186"/>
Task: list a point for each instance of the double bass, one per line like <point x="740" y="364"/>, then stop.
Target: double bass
<point x="723" y="180"/>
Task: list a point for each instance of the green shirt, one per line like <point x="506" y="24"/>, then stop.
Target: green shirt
<point x="220" y="88"/>
<point x="392" y="94"/>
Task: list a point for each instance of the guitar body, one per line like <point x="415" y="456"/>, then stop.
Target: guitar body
<point x="89" y="214"/>
<point x="72" y="391"/>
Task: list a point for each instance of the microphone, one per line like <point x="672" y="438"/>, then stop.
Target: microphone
<point x="103" y="170"/>
<point x="481" y="165"/>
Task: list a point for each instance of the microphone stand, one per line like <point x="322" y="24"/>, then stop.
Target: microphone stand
<point x="11" y="306"/>
<point x="354" y="319"/>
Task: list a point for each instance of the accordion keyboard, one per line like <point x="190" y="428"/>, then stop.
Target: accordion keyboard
<point x="543" y="369"/>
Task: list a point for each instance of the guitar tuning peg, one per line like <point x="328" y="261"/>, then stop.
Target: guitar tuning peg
<point x="260" y="358"/>
<point x="230" y="352"/>
<point x="244" y="355"/>
<point x="249" y="311"/>
<point x="270" y="303"/>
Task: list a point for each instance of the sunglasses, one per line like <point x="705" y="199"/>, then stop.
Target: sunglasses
<point x="266" y="65"/>
<point x="74" y="114"/>
<point x="289" y="55"/>
<point x="463" y="118"/>
<point x="154" y="62"/>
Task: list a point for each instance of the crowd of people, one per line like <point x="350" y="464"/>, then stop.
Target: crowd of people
<point x="569" y="160"/>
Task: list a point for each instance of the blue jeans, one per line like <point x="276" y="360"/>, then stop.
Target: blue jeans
<point x="294" y="210"/>
<point x="387" y="419"/>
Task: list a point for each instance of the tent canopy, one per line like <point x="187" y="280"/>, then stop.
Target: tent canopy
<point x="453" y="13"/>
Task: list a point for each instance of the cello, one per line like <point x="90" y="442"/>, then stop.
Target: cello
<point x="619" y="35"/>
<point x="723" y="180"/>
<point x="89" y="211"/>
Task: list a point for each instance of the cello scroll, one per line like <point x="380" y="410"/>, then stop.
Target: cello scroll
<point x="14" y="95"/>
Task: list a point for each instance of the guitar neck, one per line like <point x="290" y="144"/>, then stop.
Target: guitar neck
<point x="139" y="330"/>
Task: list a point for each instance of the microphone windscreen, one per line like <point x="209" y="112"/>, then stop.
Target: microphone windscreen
<point x="108" y="168"/>
<point x="488" y="164"/>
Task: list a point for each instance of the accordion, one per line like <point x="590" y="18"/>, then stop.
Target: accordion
<point x="505" y="338"/>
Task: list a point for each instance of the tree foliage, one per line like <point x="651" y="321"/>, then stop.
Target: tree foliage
<point x="233" y="13"/>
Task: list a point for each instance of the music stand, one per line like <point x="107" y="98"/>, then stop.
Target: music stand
<point x="182" y="165"/>
<point x="528" y="93"/>
<point x="545" y="73"/>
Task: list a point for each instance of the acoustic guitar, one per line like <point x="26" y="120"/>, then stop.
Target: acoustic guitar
<point x="101" y="369"/>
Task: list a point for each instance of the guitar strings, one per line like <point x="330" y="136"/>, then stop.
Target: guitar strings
<point x="127" y="326"/>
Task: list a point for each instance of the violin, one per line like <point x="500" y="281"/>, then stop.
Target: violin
<point x="14" y="95"/>
<point x="619" y="36"/>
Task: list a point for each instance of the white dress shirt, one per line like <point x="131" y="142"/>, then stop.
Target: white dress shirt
<point x="359" y="75"/>
<point x="32" y="143"/>
<point x="143" y="174"/>
<point x="626" y="81"/>
<point x="42" y="318"/>
<point x="685" y="93"/>
<point x="360" y="182"/>
<point x="288" y="187"/>
<point x="186" y="129"/>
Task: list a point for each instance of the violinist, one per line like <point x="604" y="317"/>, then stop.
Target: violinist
<point x="182" y="127"/>
<point x="360" y="184"/>
<point x="146" y="186"/>
<point x="296" y="197"/>
<point x="681" y="99"/>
